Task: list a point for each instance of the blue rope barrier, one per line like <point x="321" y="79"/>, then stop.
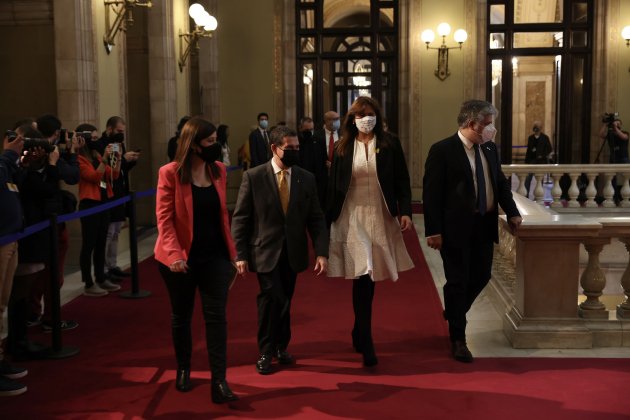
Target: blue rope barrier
<point x="7" y="239"/>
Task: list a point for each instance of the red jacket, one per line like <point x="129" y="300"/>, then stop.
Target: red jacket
<point x="90" y="180"/>
<point x="174" y="211"/>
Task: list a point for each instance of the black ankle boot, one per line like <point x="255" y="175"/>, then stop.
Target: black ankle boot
<point x="182" y="381"/>
<point x="369" y="355"/>
<point x="221" y="392"/>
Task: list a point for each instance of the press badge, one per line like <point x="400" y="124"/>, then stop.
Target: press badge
<point x="12" y="187"/>
<point x="103" y="185"/>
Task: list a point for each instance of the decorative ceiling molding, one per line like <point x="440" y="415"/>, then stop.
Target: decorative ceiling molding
<point x="26" y="12"/>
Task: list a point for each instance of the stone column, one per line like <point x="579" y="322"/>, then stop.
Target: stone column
<point x="209" y="70"/>
<point x="75" y="63"/>
<point x="162" y="73"/>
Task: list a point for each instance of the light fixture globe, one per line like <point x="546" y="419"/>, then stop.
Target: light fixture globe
<point x="625" y="33"/>
<point x="444" y="29"/>
<point x="212" y="24"/>
<point x="428" y="36"/>
<point x="460" y="36"/>
<point x="203" y="19"/>
<point x="195" y="10"/>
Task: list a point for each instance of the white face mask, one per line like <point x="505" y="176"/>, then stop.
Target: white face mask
<point x="488" y="133"/>
<point x="365" y="124"/>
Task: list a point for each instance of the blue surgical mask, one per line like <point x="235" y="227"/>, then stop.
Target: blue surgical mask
<point x="335" y="125"/>
<point x="263" y="124"/>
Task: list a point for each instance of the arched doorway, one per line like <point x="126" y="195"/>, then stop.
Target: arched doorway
<point x="346" y="49"/>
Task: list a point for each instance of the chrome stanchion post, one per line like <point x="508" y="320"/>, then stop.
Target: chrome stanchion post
<point x="57" y="351"/>
<point x="135" y="292"/>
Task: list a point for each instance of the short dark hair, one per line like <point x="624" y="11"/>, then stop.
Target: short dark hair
<point x="474" y="110"/>
<point x="112" y="122"/>
<point x="181" y="123"/>
<point x="27" y="131"/>
<point x="48" y="124"/>
<point x="22" y="122"/>
<point x="262" y="114"/>
<point x="280" y="132"/>
<point x="85" y="127"/>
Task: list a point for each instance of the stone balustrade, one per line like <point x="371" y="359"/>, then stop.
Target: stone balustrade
<point x="600" y="183"/>
<point x="541" y="300"/>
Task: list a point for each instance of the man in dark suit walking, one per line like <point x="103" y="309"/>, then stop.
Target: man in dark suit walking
<point x="463" y="189"/>
<point x="324" y="142"/>
<point x="313" y="156"/>
<point x="259" y="150"/>
<point x="277" y="204"/>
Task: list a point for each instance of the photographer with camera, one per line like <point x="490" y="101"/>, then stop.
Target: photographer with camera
<point x="616" y="138"/>
<point x="538" y="150"/>
<point x="38" y="182"/>
<point x="59" y="202"/>
<point x="10" y="223"/>
<point x="95" y="187"/>
<point x="115" y="134"/>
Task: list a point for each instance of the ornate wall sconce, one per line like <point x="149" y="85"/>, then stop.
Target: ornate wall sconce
<point x="443" y="29"/>
<point x="122" y="9"/>
<point x="205" y="24"/>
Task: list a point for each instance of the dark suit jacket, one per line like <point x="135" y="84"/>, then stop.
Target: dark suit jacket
<point x="259" y="226"/>
<point x="449" y="197"/>
<point x="258" y="148"/>
<point x="313" y="159"/>
<point x="393" y="177"/>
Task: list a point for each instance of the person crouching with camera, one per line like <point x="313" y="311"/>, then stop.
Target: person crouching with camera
<point x="617" y="139"/>
<point x="97" y="174"/>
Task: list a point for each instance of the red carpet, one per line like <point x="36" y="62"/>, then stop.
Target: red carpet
<point x="125" y="368"/>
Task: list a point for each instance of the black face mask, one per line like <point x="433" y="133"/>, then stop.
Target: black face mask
<point x="290" y="157"/>
<point x="117" y="138"/>
<point x="210" y="153"/>
<point x="307" y="134"/>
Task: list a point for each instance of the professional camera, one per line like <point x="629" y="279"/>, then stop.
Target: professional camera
<point x="87" y="135"/>
<point x="30" y="144"/>
<point x="610" y="117"/>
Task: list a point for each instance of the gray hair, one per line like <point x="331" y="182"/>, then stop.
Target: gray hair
<point x="280" y="132"/>
<point x="474" y="110"/>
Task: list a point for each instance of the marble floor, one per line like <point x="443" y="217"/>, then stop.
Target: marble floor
<point x="485" y="334"/>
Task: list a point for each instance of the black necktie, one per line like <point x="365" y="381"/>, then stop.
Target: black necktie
<point x="481" y="182"/>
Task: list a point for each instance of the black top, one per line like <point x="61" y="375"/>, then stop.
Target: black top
<point x="618" y="148"/>
<point x="208" y="240"/>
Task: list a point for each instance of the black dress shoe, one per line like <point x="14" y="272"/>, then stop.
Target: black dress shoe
<point x="263" y="364"/>
<point x="118" y="272"/>
<point x="182" y="381"/>
<point x="284" y="357"/>
<point x="460" y="352"/>
<point x="221" y="392"/>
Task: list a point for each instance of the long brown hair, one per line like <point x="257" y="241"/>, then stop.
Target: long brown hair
<point x="195" y="130"/>
<point x="349" y="130"/>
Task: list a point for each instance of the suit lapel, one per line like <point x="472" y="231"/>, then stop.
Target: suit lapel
<point x="272" y="186"/>
<point x="492" y="169"/>
<point x="462" y="157"/>
<point x="296" y="180"/>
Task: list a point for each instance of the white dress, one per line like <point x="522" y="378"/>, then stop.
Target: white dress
<point x="365" y="238"/>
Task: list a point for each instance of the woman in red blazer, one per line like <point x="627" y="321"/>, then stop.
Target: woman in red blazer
<point x="195" y="248"/>
<point x="95" y="187"/>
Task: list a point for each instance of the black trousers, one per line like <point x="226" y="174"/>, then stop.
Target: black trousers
<point x="468" y="268"/>
<point x="18" y="313"/>
<point x="362" y="297"/>
<point x="274" y="306"/>
<point x="212" y="279"/>
<point x="93" y="239"/>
